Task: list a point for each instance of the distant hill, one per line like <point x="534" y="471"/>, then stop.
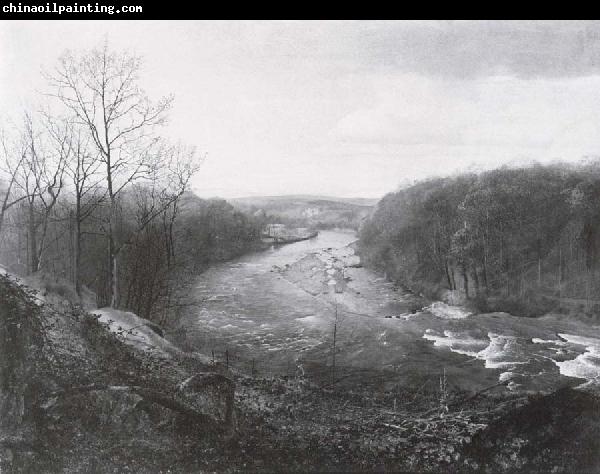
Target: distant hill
<point x="308" y="211"/>
<point x="303" y="198"/>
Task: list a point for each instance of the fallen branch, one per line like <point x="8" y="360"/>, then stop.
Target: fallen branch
<point x="149" y="395"/>
<point x="476" y="394"/>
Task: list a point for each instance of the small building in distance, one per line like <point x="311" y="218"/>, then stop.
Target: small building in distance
<point x="311" y="212"/>
<point x="275" y="231"/>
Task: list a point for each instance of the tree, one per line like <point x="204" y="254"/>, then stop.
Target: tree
<point x="152" y="209"/>
<point x="40" y="179"/>
<point x="82" y="167"/>
<point x="100" y="88"/>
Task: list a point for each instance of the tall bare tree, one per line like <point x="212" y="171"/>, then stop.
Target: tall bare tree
<point x="82" y="166"/>
<point x="101" y="89"/>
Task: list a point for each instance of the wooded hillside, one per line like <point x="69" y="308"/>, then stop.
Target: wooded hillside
<point x="525" y="240"/>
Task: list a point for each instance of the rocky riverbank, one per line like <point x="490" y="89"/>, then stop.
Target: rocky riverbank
<point x="336" y="275"/>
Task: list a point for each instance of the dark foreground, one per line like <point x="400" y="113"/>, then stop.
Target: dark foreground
<point x="77" y="398"/>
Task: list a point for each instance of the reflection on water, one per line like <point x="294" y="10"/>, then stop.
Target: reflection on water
<point x="264" y="320"/>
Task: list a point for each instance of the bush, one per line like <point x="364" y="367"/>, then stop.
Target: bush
<point x="529" y="305"/>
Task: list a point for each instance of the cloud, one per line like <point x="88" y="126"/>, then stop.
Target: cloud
<point x="495" y="112"/>
<point x="470" y="49"/>
<point x="449" y="49"/>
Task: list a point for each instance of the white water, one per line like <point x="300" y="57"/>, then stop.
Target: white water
<point x="586" y="365"/>
<point x="525" y="358"/>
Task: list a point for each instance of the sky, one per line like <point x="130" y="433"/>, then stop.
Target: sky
<point x="348" y="108"/>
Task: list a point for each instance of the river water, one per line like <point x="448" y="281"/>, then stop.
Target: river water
<point x="273" y="312"/>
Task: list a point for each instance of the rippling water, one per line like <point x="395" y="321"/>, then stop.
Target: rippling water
<point x="274" y="323"/>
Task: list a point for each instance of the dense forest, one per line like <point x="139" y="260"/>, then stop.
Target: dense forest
<point x="524" y="240"/>
<point x="95" y="201"/>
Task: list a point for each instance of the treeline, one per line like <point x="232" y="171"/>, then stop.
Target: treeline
<point x="525" y="240"/>
<point x="91" y="193"/>
<point x="317" y="214"/>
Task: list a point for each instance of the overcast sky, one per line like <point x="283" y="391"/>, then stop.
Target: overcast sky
<point x="343" y="108"/>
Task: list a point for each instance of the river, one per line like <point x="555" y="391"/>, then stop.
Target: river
<point x="274" y="312"/>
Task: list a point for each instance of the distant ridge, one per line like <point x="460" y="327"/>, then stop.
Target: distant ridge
<point x="304" y="198"/>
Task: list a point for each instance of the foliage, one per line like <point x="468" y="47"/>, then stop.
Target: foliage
<point x="527" y="236"/>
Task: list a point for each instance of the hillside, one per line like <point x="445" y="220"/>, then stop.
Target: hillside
<point x="86" y="393"/>
<point x="303" y="198"/>
<point x="104" y="392"/>
<point x="308" y="211"/>
<point x="521" y="240"/>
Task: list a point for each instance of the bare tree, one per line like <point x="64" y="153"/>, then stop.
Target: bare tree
<point x="11" y="163"/>
<point x="101" y="89"/>
<point x="40" y="179"/>
<point x="155" y="202"/>
<point x="82" y="168"/>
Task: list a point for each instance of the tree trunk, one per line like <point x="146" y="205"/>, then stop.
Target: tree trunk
<point x="112" y="229"/>
<point x="77" y="256"/>
<point x="2" y="212"/>
<point x="448" y="277"/>
<point x="452" y="276"/>
<point x="33" y="248"/>
<point x="465" y="280"/>
<point x="114" y="284"/>
<point x="485" y="272"/>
